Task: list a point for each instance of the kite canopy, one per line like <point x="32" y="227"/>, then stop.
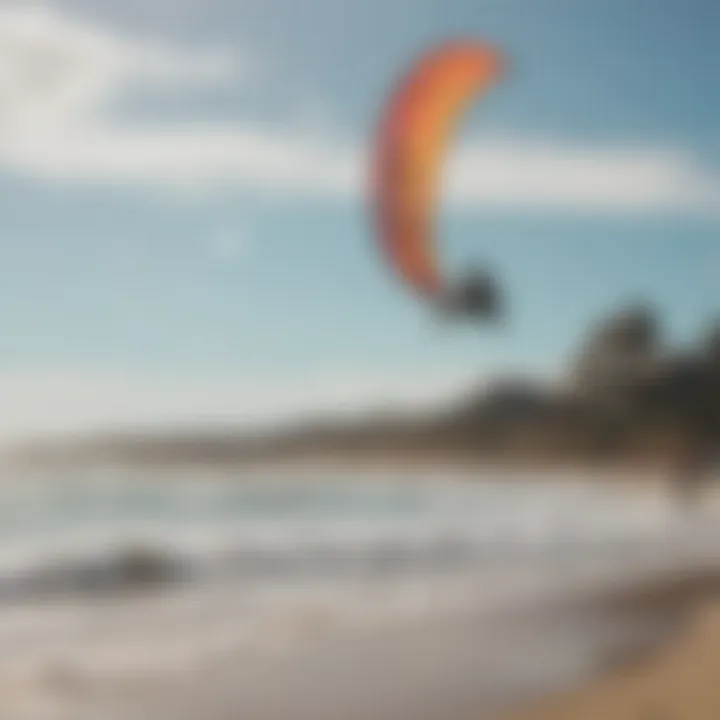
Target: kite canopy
<point x="415" y="131"/>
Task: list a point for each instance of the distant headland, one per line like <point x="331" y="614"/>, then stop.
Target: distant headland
<point x="625" y="397"/>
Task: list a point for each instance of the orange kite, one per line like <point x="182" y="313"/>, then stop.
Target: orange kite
<point x="415" y="131"/>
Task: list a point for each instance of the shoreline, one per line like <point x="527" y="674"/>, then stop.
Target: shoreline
<point x="639" y="470"/>
<point x="467" y="666"/>
<point x="602" y="614"/>
<point x="675" y="678"/>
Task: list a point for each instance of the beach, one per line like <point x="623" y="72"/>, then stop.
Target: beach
<point x="678" y="681"/>
<point x="461" y="664"/>
<point x="328" y="594"/>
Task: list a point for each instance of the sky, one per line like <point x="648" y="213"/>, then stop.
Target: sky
<point x="184" y="228"/>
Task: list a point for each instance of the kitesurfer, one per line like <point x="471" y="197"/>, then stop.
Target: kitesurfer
<point x="476" y="295"/>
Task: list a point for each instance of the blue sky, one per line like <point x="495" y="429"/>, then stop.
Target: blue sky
<point x="182" y="196"/>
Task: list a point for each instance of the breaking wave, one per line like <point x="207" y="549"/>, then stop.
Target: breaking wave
<point x="112" y="534"/>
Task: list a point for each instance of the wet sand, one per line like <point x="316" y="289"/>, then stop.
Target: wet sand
<point x="463" y="667"/>
<point x="679" y="681"/>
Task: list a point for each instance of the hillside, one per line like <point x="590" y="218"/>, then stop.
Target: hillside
<point x="625" y="396"/>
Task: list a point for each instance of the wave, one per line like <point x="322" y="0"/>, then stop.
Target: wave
<point x="122" y="568"/>
<point x="93" y="539"/>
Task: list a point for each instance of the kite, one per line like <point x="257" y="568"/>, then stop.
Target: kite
<point x="416" y="129"/>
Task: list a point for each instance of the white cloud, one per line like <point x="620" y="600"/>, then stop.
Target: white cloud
<point x="58" y="76"/>
<point x="59" y="79"/>
<point x="571" y="176"/>
<point x="40" y="402"/>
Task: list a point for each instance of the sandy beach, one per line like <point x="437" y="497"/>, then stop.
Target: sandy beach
<point x="461" y="667"/>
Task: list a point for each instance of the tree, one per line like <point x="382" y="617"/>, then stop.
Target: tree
<point x="621" y="351"/>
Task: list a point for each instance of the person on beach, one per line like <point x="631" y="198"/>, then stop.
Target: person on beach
<point x="694" y="468"/>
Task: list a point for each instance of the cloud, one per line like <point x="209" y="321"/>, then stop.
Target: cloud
<point x="43" y="402"/>
<point x="60" y="79"/>
<point x="59" y="76"/>
<point x="534" y="174"/>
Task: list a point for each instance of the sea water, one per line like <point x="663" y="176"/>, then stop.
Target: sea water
<point x="271" y="527"/>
